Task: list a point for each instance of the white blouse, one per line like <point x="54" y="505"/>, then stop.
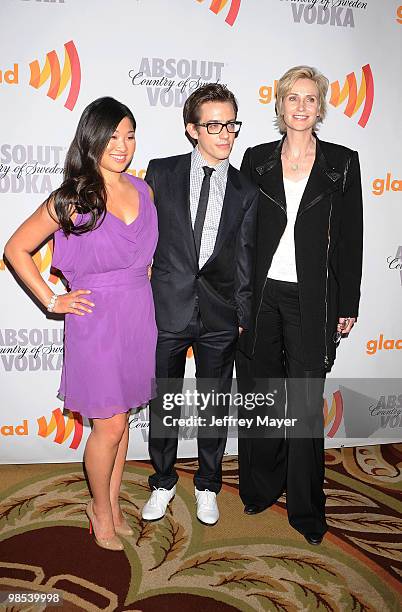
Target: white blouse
<point x="283" y="266"/>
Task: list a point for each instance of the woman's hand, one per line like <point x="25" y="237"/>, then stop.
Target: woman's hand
<point x="345" y="325"/>
<point x="73" y="303"/>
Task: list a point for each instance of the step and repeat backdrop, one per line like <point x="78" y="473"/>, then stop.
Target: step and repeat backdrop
<point x="59" y="55"/>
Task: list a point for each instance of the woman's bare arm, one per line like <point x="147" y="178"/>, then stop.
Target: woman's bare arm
<point x="26" y="239"/>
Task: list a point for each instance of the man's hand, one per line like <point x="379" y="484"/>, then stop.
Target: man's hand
<point x="345" y="325"/>
<point x="241" y="330"/>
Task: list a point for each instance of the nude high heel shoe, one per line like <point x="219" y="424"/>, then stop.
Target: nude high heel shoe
<point x="124" y="529"/>
<point x="113" y="543"/>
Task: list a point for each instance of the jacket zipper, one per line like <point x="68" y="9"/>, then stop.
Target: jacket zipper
<point x="272" y="200"/>
<point x="266" y="276"/>
<point x="258" y="312"/>
<point x="326" y="360"/>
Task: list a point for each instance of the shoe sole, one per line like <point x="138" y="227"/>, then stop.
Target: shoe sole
<point x="160" y="517"/>
<point x="207" y="524"/>
<point x="258" y="511"/>
<point x="313" y="543"/>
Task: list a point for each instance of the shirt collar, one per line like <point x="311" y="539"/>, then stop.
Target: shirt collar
<point x="197" y="162"/>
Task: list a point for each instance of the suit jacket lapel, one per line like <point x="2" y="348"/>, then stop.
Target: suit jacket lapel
<point x="181" y="196"/>
<point x="232" y="204"/>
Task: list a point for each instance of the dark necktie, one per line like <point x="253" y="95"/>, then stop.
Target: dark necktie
<point x="202" y="208"/>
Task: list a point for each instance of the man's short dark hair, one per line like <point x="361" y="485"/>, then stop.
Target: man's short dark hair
<point x="211" y="92"/>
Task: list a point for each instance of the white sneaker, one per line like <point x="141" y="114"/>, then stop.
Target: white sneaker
<point x="207" y="508"/>
<point x="155" y="507"/>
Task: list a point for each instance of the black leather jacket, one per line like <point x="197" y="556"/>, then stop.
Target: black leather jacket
<point x="328" y="242"/>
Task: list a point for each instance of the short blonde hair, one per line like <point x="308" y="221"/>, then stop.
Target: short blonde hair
<point x="286" y="83"/>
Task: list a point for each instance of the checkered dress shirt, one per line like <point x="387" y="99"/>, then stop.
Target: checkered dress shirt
<point x="215" y="200"/>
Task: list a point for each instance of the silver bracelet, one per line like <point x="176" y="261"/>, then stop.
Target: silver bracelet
<point x="52" y="303"/>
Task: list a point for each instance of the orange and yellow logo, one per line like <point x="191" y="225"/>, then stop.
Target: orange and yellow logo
<point x="217" y="6"/>
<point x="355" y="97"/>
<point x="333" y="416"/>
<point x="59" y="78"/>
<point x="140" y="172"/>
<point x="63" y="429"/>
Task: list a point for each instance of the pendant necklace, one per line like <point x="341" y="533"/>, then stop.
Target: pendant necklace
<point x="294" y="166"/>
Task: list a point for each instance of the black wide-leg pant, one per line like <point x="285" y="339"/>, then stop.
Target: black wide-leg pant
<point x="291" y="461"/>
<point x="214" y="354"/>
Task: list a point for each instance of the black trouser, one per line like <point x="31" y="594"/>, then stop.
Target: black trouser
<point x="270" y="465"/>
<point x="214" y="357"/>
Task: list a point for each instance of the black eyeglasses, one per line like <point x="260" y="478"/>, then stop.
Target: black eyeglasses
<point x="216" y="127"/>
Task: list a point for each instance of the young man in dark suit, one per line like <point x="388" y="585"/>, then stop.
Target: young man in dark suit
<point x="201" y="281"/>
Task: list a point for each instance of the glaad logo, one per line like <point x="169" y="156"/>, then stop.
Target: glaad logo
<point x="63" y="429"/>
<point x="217" y="6"/>
<point x="59" y="79"/>
<point x="378" y="345"/>
<point x="9" y="76"/>
<point x="326" y="12"/>
<point x="381" y="185"/>
<point x="169" y="82"/>
<point x="268" y="93"/>
<point x="333" y="417"/>
<point x="395" y="263"/>
<point x="355" y="97"/>
<point x="29" y="168"/>
<point x="15" y="430"/>
<point x="31" y="349"/>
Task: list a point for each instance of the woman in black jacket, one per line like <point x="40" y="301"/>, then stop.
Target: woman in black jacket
<point x="306" y="296"/>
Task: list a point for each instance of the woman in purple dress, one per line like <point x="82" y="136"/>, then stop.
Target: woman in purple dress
<point x="105" y="228"/>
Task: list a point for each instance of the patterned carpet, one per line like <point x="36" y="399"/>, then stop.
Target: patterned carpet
<point x="178" y="565"/>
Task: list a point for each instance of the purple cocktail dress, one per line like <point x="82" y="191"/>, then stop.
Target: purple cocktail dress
<point x="109" y="354"/>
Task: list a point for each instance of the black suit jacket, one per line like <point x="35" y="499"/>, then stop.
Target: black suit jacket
<point x="224" y="283"/>
<point x="328" y="242"/>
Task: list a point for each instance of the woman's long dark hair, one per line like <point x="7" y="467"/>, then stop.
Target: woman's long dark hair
<point x="83" y="189"/>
